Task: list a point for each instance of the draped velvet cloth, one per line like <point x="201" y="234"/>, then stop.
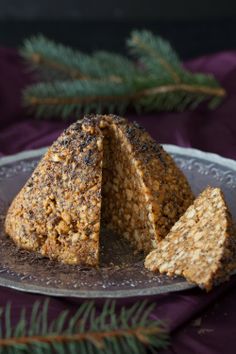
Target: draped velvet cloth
<point x="215" y="131"/>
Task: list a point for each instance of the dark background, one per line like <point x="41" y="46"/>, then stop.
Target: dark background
<point x="193" y="27"/>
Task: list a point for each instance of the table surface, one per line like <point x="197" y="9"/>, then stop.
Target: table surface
<point x="214" y="131"/>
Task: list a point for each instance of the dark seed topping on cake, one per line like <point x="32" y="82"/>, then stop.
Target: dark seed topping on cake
<point x="102" y="169"/>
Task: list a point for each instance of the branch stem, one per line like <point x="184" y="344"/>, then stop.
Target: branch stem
<point x="51" y="101"/>
<point x="39" y="59"/>
<point x="211" y="91"/>
<point x="94" y="337"/>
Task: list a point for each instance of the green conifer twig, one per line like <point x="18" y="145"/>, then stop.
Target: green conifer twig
<point x="147" y="48"/>
<point x="110" y="82"/>
<point x="39" y="60"/>
<point x="130" y="329"/>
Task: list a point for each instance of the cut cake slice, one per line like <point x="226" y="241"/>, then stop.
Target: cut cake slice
<point x="102" y="170"/>
<point x="201" y="245"/>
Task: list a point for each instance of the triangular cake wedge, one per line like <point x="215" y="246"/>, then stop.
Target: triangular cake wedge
<point x="102" y="170"/>
<point x="201" y="245"/>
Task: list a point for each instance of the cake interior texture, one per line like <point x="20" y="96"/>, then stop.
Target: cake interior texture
<point x="125" y="206"/>
<point x="100" y="171"/>
<point x="201" y="246"/>
<point x="143" y="192"/>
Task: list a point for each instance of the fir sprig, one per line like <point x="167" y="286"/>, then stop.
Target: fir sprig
<point x="62" y="62"/>
<point x="129" y="330"/>
<point x="110" y="82"/>
<point x="156" y="54"/>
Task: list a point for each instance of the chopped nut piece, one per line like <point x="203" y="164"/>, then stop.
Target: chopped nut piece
<point x="66" y="217"/>
<point x="62" y="227"/>
<point x="99" y="144"/>
<point x="55" y="158"/>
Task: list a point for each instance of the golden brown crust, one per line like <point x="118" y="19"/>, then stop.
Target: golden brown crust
<point x="57" y="213"/>
<point x="201" y="245"/>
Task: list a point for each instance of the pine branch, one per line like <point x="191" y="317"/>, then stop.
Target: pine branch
<point x="85" y="331"/>
<point x="66" y="97"/>
<point x="156" y="54"/>
<point x="33" y="50"/>
<point x="59" y="61"/>
<point x="110" y="82"/>
<point x="97" y="338"/>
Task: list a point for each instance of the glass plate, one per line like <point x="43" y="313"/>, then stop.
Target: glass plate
<point x="121" y="274"/>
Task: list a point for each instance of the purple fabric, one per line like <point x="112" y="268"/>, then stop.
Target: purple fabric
<point x="207" y="130"/>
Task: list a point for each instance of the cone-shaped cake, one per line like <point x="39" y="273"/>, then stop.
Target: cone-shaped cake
<point x="201" y="245"/>
<point x="102" y="170"/>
